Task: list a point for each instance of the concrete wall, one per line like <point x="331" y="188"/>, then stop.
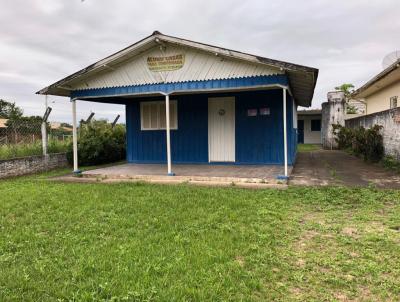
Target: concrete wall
<point x="380" y="100"/>
<point x="333" y="112"/>
<point x="310" y="137"/>
<point x="390" y="120"/>
<point x="31" y="164"/>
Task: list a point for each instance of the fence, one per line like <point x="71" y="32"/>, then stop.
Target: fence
<point x="390" y="120"/>
<point x="23" y="137"/>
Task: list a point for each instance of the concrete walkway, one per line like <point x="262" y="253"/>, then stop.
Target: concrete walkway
<point x="332" y="167"/>
<point x="246" y="176"/>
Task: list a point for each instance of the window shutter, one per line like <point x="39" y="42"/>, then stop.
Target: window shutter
<point x="153" y="116"/>
<point x="173" y="115"/>
<point x="163" y="123"/>
<point x="145" y="115"/>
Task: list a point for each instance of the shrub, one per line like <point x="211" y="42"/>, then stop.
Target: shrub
<point x="367" y="143"/>
<point x="344" y="136"/>
<point x="99" y="143"/>
<point x="391" y="163"/>
<point x="373" y="144"/>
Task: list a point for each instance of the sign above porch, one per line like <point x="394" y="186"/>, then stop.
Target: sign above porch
<point x="158" y="64"/>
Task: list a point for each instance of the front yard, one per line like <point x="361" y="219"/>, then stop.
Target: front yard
<point x="137" y="242"/>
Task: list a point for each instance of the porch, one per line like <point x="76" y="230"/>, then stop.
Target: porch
<point x="221" y="174"/>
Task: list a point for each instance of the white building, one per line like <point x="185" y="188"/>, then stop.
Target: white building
<point x="309" y="127"/>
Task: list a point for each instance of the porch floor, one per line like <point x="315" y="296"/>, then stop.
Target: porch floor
<point x="261" y="174"/>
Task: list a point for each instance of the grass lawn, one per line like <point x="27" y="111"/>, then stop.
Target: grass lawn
<point x="29" y="149"/>
<point x="137" y="242"/>
<point x="308" y="147"/>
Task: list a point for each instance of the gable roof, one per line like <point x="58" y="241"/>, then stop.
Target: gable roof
<point x="383" y="79"/>
<point x="302" y="79"/>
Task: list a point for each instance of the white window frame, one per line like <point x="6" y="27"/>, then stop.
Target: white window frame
<point x="174" y="119"/>
<point x="394" y="101"/>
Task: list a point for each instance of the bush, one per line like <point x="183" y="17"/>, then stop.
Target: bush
<point x="344" y="136"/>
<point x="367" y="143"/>
<point x="99" y="143"/>
<point x="391" y="163"/>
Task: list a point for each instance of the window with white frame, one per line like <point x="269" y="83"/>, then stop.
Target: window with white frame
<point x="393" y="102"/>
<point x="153" y="116"/>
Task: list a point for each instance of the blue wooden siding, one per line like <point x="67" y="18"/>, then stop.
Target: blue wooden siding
<point x="259" y="139"/>
<point x="189" y="143"/>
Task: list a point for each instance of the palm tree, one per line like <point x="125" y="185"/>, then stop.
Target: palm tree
<point x="347" y="88"/>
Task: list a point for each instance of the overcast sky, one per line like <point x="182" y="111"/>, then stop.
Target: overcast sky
<point x="42" y="41"/>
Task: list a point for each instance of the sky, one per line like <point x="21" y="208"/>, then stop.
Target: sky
<point x="42" y="41"/>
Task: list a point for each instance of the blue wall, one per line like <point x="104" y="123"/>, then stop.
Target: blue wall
<point x="259" y="139"/>
<point x="188" y="144"/>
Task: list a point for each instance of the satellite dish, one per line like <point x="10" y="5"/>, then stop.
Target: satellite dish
<point x="390" y="58"/>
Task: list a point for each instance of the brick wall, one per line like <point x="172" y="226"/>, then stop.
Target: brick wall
<point x="390" y="120"/>
<point x="32" y="164"/>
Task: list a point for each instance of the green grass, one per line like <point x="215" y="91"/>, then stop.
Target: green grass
<point x="308" y="147"/>
<point x="390" y="163"/>
<point x="137" y="242"/>
<point x="29" y="149"/>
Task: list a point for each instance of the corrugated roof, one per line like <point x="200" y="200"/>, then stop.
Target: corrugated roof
<point x="369" y="88"/>
<point x="199" y="66"/>
<point x="302" y="79"/>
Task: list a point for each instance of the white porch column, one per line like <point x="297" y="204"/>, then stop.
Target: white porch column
<point x="168" y="130"/>
<point x="74" y="137"/>
<point x="285" y="132"/>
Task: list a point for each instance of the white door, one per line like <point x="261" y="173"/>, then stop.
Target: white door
<point x="221" y="129"/>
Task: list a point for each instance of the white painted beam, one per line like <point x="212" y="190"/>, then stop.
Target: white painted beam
<point x="285" y="148"/>
<point x="74" y="137"/>
<point x="168" y="132"/>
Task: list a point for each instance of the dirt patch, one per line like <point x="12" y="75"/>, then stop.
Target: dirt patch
<point x="334" y="167"/>
<point x="350" y="231"/>
<point x="305" y="238"/>
<point x="301" y="263"/>
<point x="341" y="297"/>
<point x="296" y="291"/>
<point x="313" y="217"/>
<point x="240" y="260"/>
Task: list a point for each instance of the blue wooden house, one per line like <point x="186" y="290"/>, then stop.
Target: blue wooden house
<point x="193" y="103"/>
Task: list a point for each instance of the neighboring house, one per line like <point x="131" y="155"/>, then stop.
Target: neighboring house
<point x="58" y="126"/>
<point x="356" y="107"/>
<point x="3" y="122"/>
<point x="3" y="129"/>
<point x="225" y="106"/>
<point x="309" y="126"/>
<point x="382" y="92"/>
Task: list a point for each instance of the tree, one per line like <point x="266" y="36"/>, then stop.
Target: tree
<point x="347" y="88"/>
<point x="9" y="110"/>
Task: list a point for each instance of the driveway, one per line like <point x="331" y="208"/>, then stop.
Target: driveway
<point x="333" y="167"/>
